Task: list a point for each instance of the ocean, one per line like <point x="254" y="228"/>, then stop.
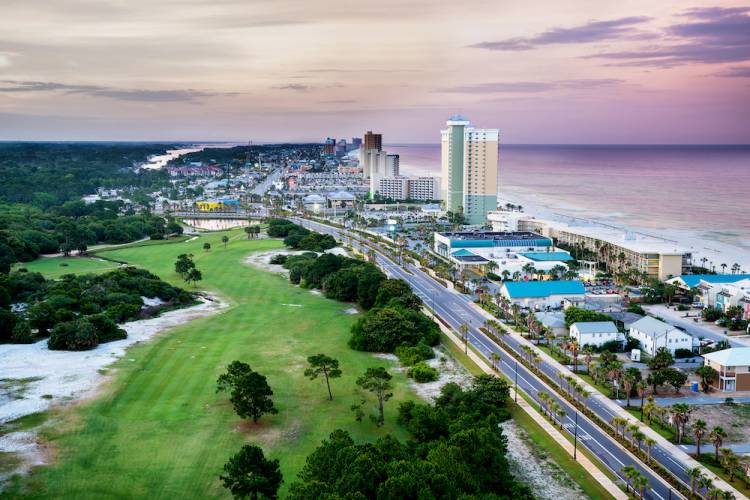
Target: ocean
<point x="697" y="195"/>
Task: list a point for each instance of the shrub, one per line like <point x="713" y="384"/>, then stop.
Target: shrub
<point x="120" y="313"/>
<point x="411" y="355"/>
<point x="22" y="333"/>
<point x="106" y="329"/>
<point x="683" y="353"/>
<point x="79" y="335"/>
<point x="278" y="259"/>
<point x="422" y="373"/>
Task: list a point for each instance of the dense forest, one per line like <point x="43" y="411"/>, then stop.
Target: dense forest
<point x="41" y="210"/>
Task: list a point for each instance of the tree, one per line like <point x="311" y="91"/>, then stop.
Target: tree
<point x="249" y="231"/>
<point x="184" y="264"/>
<point x="325" y="365"/>
<point x="708" y="376"/>
<point x="377" y="381"/>
<point x="694" y="474"/>
<point x="699" y="430"/>
<point x="717" y="436"/>
<point x="675" y="378"/>
<point x="250" y="393"/>
<point x="681" y="416"/>
<point x="193" y="276"/>
<point x="662" y="359"/>
<point x="649" y="442"/>
<point x="464" y="329"/>
<point x="248" y="474"/>
<point x="629" y="378"/>
<point x="225" y="240"/>
<point x="207" y="246"/>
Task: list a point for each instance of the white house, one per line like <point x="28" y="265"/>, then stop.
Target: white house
<point x="595" y="333"/>
<point x="654" y="334"/>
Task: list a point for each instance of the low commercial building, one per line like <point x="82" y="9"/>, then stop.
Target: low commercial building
<point x="654" y="334"/>
<point x="595" y="333"/>
<point x="542" y="294"/>
<point x="341" y="199"/>
<point x="733" y="366"/>
<point x="513" y="253"/>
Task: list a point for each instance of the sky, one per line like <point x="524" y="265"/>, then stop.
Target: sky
<point x="579" y="71"/>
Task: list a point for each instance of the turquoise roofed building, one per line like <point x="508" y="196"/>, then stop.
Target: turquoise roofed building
<point x="687" y="281"/>
<point x="542" y="294"/>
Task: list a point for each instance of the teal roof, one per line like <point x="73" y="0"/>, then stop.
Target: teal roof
<point x="692" y="280"/>
<point x="528" y="289"/>
<point x="548" y="256"/>
<point x="462" y="253"/>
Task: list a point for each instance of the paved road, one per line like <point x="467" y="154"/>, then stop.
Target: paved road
<point x="456" y="309"/>
<point x="261" y="188"/>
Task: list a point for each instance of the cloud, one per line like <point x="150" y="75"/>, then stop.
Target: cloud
<point x="710" y="36"/>
<point x="532" y="87"/>
<point x="736" y="72"/>
<point x="296" y="87"/>
<point x="339" y="101"/>
<point x="593" y="31"/>
<point x="141" y="95"/>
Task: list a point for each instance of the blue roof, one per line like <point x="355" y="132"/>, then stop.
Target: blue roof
<point x="462" y="253"/>
<point x="526" y="289"/>
<point x="692" y="280"/>
<point x="548" y="256"/>
<point x="595" y="327"/>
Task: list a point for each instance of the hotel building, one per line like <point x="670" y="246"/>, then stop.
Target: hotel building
<point x="409" y="188"/>
<point x="469" y="169"/>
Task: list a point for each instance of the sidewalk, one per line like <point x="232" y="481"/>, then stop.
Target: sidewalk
<point x="582" y="459"/>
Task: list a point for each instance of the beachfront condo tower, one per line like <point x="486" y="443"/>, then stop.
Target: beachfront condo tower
<point x="469" y="166"/>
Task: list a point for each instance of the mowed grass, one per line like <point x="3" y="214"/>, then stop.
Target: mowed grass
<point x="160" y="430"/>
<point x="54" y="267"/>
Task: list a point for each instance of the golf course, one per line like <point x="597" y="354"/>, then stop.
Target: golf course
<point x="158" y="428"/>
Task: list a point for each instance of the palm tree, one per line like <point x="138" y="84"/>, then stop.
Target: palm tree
<point x="681" y="416"/>
<point x="717" y="438"/>
<point x="561" y="413"/>
<point x="632" y="429"/>
<point x="640" y="483"/>
<point x="628" y="472"/>
<point x="723" y="268"/>
<point x="574" y="352"/>
<point x="694" y="474"/>
<point x="730" y="461"/>
<point x="649" y="442"/>
<point x="699" y="430"/>
<point x="705" y="482"/>
<point x="464" y="329"/>
<point x="505" y="274"/>
<point x="495" y="357"/>
<point x="629" y="378"/>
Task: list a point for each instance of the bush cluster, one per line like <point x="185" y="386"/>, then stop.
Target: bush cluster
<point x="298" y="237"/>
<point x="78" y="311"/>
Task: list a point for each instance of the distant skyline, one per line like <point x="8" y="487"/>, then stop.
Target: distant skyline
<point x="577" y="72"/>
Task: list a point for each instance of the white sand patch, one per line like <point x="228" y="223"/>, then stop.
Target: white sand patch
<point x="450" y="371"/>
<point x="62" y="376"/>
<point x="151" y="302"/>
<point x="316" y="292"/>
<point x="292" y="305"/>
<point x="351" y="310"/>
<point x="531" y="465"/>
<point x="387" y="356"/>
<point x="191" y="239"/>
<point x="27" y="450"/>
<point x="262" y="260"/>
<point x="338" y="251"/>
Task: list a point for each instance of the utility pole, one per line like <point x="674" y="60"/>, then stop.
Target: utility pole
<point x="575" y="437"/>
<point x="515" y="390"/>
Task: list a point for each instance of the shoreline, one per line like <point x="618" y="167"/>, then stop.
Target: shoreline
<point x="733" y="248"/>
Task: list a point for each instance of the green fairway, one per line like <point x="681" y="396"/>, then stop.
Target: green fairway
<point x="54" y="267"/>
<point x="160" y="430"/>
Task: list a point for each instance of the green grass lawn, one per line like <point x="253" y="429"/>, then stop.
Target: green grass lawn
<point x="160" y="430"/>
<point x="54" y="267"/>
<point x="709" y="461"/>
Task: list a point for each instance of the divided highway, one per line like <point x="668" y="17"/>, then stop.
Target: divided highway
<point x="456" y="309"/>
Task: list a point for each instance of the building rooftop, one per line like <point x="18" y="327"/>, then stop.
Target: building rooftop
<point x="548" y="256"/>
<point x="735" y="356"/>
<point x="692" y="280"/>
<point x="652" y="327"/>
<point x="595" y="327"/>
<point x="529" y="289"/>
<point x="466" y="256"/>
<point x="492" y="235"/>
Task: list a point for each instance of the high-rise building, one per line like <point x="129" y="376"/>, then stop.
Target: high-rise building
<point x="378" y="165"/>
<point x="372" y="141"/>
<point x="469" y="167"/>
<point x="409" y="188"/>
<point x="356" y="142"/>
<point x="340" y="148"/>
<point x="329" y="147"/>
